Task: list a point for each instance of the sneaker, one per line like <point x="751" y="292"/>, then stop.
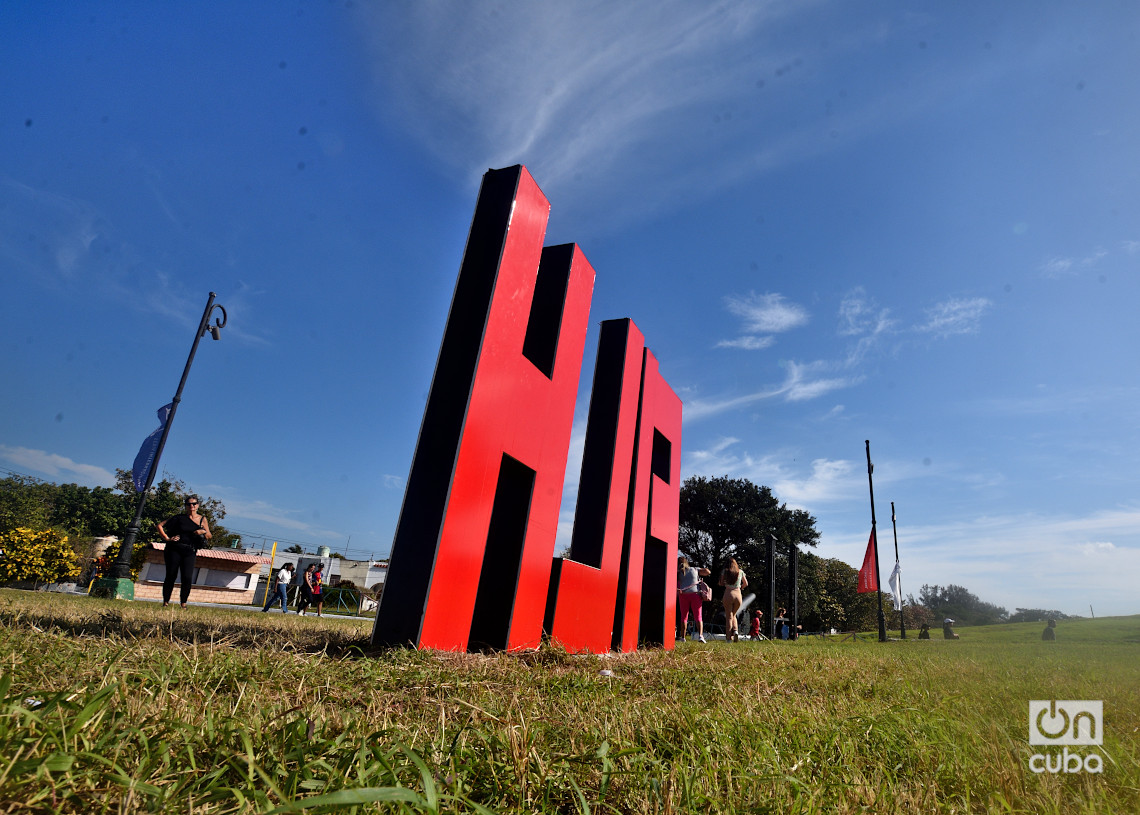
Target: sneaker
<point x="701" y="638"/>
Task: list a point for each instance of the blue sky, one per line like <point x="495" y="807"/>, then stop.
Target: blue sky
<point x="914" y="223"/>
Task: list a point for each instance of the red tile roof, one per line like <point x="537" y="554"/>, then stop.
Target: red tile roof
<point x="218" y="554"/>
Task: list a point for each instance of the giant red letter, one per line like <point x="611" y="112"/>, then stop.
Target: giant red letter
<point x="472" y="554"/>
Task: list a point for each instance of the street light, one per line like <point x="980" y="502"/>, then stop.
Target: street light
<point x="119" y="584"/>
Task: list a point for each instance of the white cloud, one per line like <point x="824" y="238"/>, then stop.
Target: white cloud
<point x="829" y="480"/>
<point x="55" y="465"/>
<point x="747" y="343"/>
<point x="802" y="384"/>
<point x="1057" y="267"/>
<point x="955" y="316"/>
<point x="267" y="513"/>
<point x="1131" y="247"/>
<point x="766" y="313"/>
<point x="859" y="315"/>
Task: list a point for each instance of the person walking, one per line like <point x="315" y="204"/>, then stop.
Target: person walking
<point x="318" y="587"/>
<point x="689" y="596"/>
<point x="306" y="598"/>
<point x="733" y="580"/>
<point x="280" y="589"/>
<point x="184" y="534"/>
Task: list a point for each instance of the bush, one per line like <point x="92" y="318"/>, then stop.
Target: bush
<point x="45" y="556"/>
<point x="138" y="558"/>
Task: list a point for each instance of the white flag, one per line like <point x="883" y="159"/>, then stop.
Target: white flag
<point x="896" y="587"/>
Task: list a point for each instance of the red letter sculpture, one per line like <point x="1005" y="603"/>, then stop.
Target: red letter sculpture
<point x="471" y="560"/>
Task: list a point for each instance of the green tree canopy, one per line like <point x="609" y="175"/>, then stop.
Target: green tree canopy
<point x="723" y="518"/>
<point x="85" y="512"/>
<point x="960" y="605"/>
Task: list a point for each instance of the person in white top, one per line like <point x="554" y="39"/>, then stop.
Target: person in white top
<point x="689" y="596"/>
<point x="280" y="589"/>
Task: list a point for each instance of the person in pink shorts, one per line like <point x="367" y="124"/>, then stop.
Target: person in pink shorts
<point x="689" y="596"/>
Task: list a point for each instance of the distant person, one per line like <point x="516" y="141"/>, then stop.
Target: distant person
<point x="754" y="631"/>
<point x="924" y="632"/>
<point x="318" y="588"/>
<point x="184" y="534"/>
<point x="1050" y="632"/>
<point x="948" y="629"/>
<point x="783" y="629"/>
<point x="280" y="589"/>
<point x="306" y="589"/>
<point x="733" y="580"/>
<point x="689" y="596"/>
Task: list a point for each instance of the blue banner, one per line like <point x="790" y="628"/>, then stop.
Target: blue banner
<point x="149" y="448"/>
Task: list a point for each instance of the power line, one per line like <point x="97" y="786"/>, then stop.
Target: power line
<point x="345" y="550"/>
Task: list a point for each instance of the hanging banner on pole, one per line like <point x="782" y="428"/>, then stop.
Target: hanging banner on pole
<point x="868" y="579"/>
<point x="141" y="468"/>
<point x="896" y="587"/>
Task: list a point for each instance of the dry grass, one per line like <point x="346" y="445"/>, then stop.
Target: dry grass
<point x="113" y="707"/>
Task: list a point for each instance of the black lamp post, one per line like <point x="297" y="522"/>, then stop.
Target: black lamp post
<point x="119" y="584"/>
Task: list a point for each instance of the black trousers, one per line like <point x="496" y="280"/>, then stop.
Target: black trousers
<point x="179" y="560"/>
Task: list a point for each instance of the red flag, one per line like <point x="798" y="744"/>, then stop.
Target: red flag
<point x="868" y="575"/>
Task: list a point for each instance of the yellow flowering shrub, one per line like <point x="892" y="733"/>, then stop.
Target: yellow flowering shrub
<point x="40" y="556"/>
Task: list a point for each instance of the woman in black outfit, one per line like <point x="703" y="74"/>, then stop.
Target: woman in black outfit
<point x="184" y="534"/>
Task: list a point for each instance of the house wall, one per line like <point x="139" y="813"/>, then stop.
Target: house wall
<point x="149" y="585"/>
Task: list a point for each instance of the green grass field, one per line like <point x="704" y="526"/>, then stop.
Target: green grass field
<point x="129" y="707"/>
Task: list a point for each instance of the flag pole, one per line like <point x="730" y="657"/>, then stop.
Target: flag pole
<point x="895" y="529"/>
<point x="875" y="537"/>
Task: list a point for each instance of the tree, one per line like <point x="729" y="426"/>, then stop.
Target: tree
<point x="25" y="503"/>
<point x="960" y="605"/>
<point x="722" y="518"/>
<point x="295" y="549"/>
<point x="1038" y="615"/>
<point x="83" y="512"/>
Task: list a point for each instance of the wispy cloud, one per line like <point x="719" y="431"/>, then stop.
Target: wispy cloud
<point x="955" y="316"/>
<point x="1130" y="247"/>
<point x="573" y="90"/>
<point x="55" y="465"/>
<point x="860" y="315"/>
<point x="46" y="234"/>
<point x="767" y="313"/>
<point x="801" y="383"/>
<point x="826" y="481"/>
<point x="762" y="314"/>
<point x="747" y="343"/>
<point x="804" y="383"/>
<point x="267" y="513"/>
<point x="1057" y="267"/>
